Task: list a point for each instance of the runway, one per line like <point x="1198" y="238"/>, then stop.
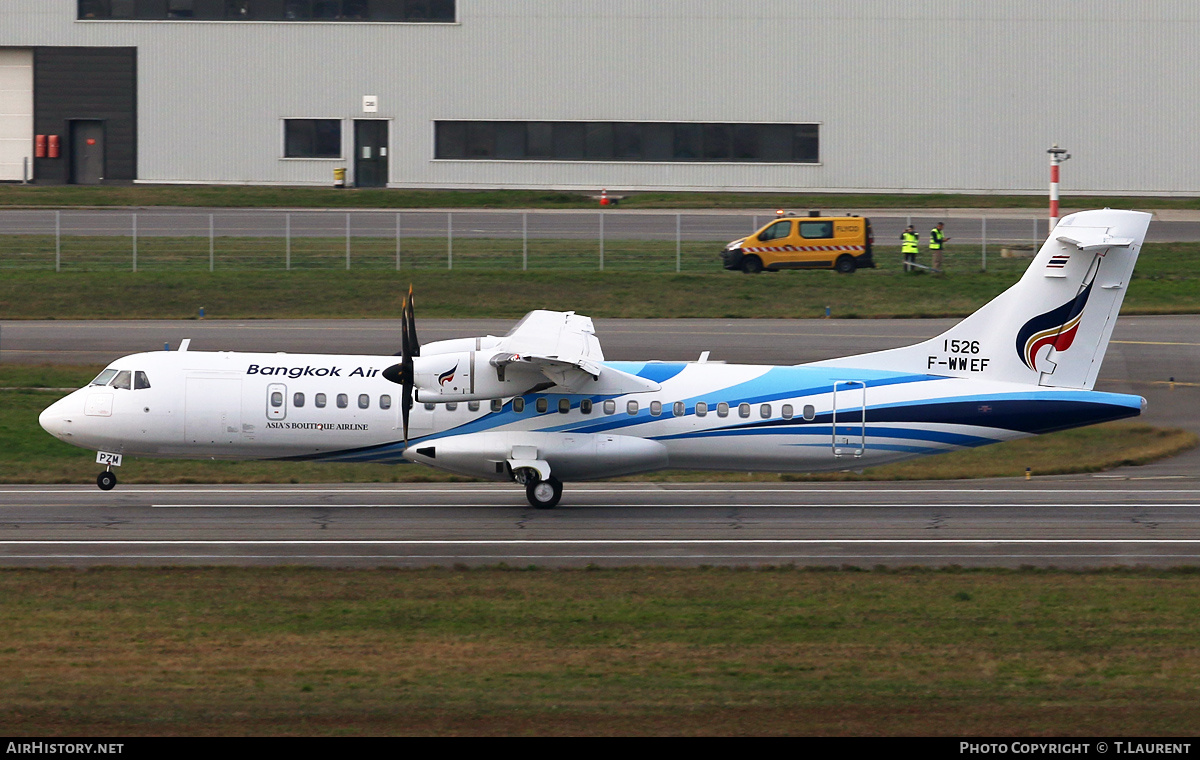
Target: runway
<point x="1138" y="516"/>
<point x="1074" y="522"/>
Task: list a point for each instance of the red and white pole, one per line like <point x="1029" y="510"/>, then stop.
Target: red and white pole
<point x="1057" y="156"/>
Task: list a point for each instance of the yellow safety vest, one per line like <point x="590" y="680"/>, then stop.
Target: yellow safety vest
<point x="910" y="243"/>
<point x="935" y="239"/>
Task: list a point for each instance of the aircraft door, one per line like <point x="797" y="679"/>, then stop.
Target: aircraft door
<point x="849" y="418"/>
<point x="276" y="401"/>
<point x="213" y="410"/>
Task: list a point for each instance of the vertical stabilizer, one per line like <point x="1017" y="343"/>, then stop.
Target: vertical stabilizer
<point x="1053" y="326"/>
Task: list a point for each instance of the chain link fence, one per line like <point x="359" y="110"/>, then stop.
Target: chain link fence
<point x="164" y="239"/>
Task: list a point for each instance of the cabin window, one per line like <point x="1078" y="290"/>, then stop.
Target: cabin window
<point x="810" y="412"/>
<point x="518" y="404"/>
<point x="276" y="399"/>
<point x="472" y="406"/>
<point x="610" y="407"/>
<point x="631" y="407"/>
<point x="104" y="377"/>
<point x="123" y="379"/>
<point x="297" y="399"/>
<point x="655" y="408"/>
<point x="764" y="411"/>
<point x="701" y="409"/>
<point x="542" y="405"/>
<point x="385" y="402"/>
<point x="429" y="407"/>
<point x="343" y="401"/>
<point x="786" y="411"/>
<point x="319" y="400"/>
<point x="722" y="409"/>
<point x="140" y="380"/>
<point x="364" y="401"/>
<point x="564" y="406"/>
<point x="679" y="408"/>
<point x="585" y="406"/>
<point x="451" y="406"/>
<point x="497" y="405"/>
<point x="743" y="410"/>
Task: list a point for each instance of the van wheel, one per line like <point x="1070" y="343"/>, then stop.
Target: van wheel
<point x="752" y="265"/>
<point x="846" y="265"/>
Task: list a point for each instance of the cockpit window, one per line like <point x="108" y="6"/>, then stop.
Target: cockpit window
<point x="140" y="380"/>
<point x="123" y="380"/>
<point x="104" y="377"/>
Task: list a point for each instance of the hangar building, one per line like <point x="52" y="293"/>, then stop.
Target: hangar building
<point x="780" y="95"/>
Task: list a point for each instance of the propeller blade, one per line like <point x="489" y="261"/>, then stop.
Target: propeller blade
<point x="410" y="320"/>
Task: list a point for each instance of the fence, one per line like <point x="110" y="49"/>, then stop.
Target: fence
<point x="161" y="239"/>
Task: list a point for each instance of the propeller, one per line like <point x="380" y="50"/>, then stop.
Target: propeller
<point x="402" y="373"/>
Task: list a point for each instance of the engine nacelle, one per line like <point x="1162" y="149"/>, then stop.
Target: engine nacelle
<point x="569" y="456"/>
<point x="463" y="376"/>
<point x="460" y="345"/>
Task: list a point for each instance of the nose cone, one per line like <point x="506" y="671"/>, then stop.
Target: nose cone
<point x="56" y="419"/>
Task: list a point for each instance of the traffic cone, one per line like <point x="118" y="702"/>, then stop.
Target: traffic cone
<point x="603" y="197"/>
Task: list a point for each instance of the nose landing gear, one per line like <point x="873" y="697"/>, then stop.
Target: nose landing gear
<point x="106" y="480"/>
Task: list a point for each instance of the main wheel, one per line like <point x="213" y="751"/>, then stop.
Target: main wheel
<point x="846" y="265"/>
<point x="544" y="494"/>
<point x="752" y="265"/>
<point x="106" y="480"/>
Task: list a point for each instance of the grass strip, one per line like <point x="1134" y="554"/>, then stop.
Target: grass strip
<point x="1165" y="282"/>
<point x="48" y="196"/>
<point x="638" y="651"/>
<point x="34" y="456"/>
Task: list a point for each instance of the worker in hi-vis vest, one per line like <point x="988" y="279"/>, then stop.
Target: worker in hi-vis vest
<point x="909" y="247"/>
<point x="937" y="240"/>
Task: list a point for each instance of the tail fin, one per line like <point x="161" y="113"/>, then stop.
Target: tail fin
<point x="1052" y="327"/>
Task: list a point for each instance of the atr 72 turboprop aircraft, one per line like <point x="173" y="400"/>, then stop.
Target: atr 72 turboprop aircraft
<point x="540" y="405"/>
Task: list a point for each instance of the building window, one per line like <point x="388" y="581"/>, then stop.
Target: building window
<point x="627" y="141"/>
<point x="312" y="138"/>
<point x="401" y="11"/>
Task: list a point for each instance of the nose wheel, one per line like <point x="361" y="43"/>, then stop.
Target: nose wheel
<point x="544" y="494"/>
<point x="106" y="480"/>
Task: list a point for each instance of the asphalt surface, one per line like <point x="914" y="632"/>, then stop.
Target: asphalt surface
<point x="1133" y="516"/>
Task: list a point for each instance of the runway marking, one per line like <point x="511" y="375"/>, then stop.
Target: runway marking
<point x="599" y="542"/>
<point x="400" y="489"/>
<point x="694" y="504"/>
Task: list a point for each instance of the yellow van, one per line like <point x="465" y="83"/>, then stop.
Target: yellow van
<point x="810" y="242"/>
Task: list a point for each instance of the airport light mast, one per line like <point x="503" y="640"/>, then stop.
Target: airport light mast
<point x="1057" y="156"/>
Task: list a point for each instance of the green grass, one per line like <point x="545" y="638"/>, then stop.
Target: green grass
<point x="328" y="197"/>
<point x="33" y="456"/>
<point x="639" y="651"/>
<point x="1167" y="281"/>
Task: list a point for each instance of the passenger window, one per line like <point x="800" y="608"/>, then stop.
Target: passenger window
<point x="385" y="402"/>
<point x="701" y="409"/>
<point x="472" y="406"/>
<point x="276" y="399"/>
<point x="343" y="401"/>
<point x="140" y="380"/>
<point x="776" y="231"/>
<point x="631" y="407"/>
<point x="451" y="406"/>
<point x="542" y="405"/>
<point x="680" y="409"/>
<point x="297" y="399"/>
<point x="743" y="410"/>
<point x="722" y="409"/>
<point x="364" y="401"/>
<point x="816" y="230"/>
<point x="810" y="413"/>
<point x="518" y="404"/>
<point x="786" y="411"/>
<point x="497" y="405"/>
<point x="764" y="411"/>
<point x="122" y="379"/>
<point x="610" y="407"/>
<point x="564" y="406"/>
<point x="429" y="407"/>
<point x="655" y="408"/>
<point x="319" y="400"/>
<point x="585" y="406"/>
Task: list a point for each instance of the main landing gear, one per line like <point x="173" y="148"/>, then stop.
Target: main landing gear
<point x="106" y="480"/>
<point x="544" y="494"/>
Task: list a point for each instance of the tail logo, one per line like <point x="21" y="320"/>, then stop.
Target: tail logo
<point x="447" y="376"/>
<point x="1056" y="328"/>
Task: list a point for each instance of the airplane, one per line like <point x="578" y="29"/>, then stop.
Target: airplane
<point x="541" y="405"/>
